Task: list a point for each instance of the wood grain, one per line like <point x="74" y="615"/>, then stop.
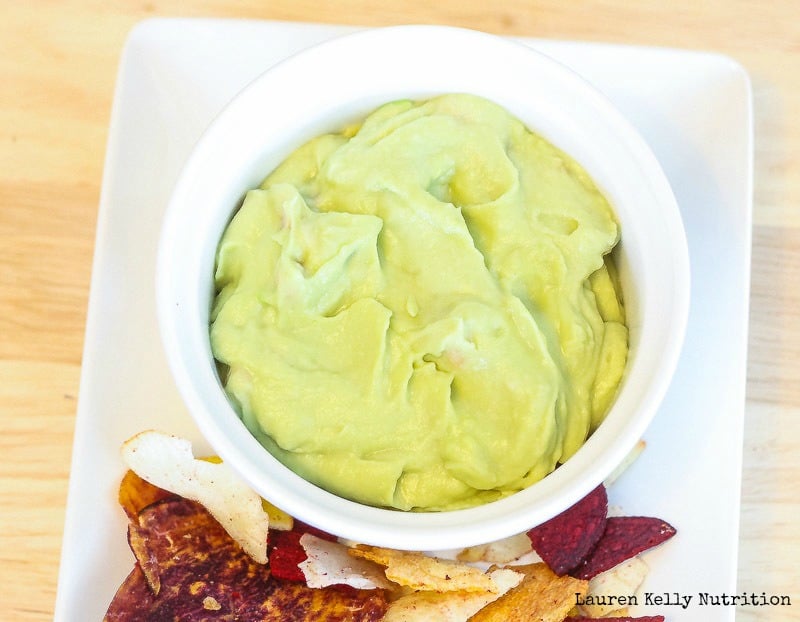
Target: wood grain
<point x="58" y="63"/>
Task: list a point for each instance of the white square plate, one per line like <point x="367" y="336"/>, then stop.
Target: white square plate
<point x="694" y="109"/>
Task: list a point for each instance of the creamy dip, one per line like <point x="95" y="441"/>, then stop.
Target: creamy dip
<point x="420" y="312"/>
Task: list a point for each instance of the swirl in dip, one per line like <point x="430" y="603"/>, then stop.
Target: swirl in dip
<point x="420" y="312"/>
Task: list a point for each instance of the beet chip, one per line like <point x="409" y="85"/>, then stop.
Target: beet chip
<point x="624" y="537"/>
<point x="286" y="552"/>
<point x="204" y="575"/>
<point x="564" y="541"/>
<point x="625" y="619"/>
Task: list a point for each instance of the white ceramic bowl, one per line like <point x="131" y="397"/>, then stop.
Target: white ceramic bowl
<point x="323" y="88"/>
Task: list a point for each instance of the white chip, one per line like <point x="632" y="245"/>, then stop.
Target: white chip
<point x="498" y="552"/>
<point x="329" y="563"/>
<point x="167" y="461"/>
<point x="506" y="578"/>
<point x="614" y="588"/>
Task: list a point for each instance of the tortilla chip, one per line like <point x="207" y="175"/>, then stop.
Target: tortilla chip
<point x="439" y="606"/>
<point x="542" y="596"/>
<point x="166" y="461"/>
<point x="449" y="606"/>
<point x="205" y="575"/>
<point x="421" y="572"/>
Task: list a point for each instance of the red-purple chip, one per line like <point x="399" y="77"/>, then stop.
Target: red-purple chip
<point x="204" y="575"/>
<point x="286" y="552"/>
<point x="564" y="541"/>
<point x="624" y="537"/>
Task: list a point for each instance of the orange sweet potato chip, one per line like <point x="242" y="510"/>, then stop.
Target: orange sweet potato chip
<point x="542" y="596"/>
<point x="135" y="494"/>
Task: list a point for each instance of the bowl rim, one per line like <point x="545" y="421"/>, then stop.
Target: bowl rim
<point x="379" y="526"/>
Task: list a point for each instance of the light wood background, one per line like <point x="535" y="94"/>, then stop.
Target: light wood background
<point x="58" y="62"/>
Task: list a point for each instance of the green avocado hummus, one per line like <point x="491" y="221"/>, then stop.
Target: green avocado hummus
<point x="420" y="312"/>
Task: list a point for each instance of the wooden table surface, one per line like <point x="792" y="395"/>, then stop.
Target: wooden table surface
<point x="58" y="63"/>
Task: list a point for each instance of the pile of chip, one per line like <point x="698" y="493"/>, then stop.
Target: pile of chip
<point x="197" y="563"/>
